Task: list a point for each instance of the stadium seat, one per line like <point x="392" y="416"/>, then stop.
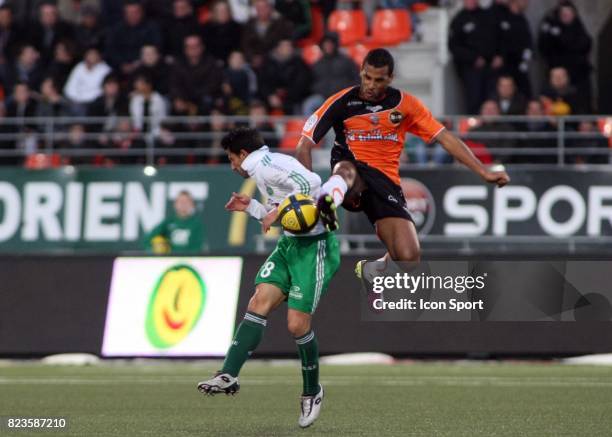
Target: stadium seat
<point x="311" y="53"/>
<point x="357" y="52"/>
<point x="293" y="132"/>
<point x="390" y="27"/>
<point x="605" y="127"/>
<point x="419" y="7"/>
<point x="318" y="28"/>
<point x="351" y="26"/>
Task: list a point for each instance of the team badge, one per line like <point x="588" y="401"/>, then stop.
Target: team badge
<point x="396" y="117"/>
<point x="374" y="119"/>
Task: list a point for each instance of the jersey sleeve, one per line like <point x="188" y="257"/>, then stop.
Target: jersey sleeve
<point x="419" y="120"/>
<point x="256" y="209"/>
<point x="322" y="120"/>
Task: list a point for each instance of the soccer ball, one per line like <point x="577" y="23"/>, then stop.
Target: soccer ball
<point x="298" y="214"/>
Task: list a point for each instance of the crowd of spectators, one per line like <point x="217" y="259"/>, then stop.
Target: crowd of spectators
<point x="133" y="63"/>
<point x="493" y="49"/>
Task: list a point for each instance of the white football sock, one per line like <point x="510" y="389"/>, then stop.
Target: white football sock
<point x="335" y="187"/>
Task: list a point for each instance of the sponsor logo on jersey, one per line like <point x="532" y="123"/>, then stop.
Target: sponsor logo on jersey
<point x="373" y="135"/>
<point x="396" y="117"/>
<point x="354" y="103"/>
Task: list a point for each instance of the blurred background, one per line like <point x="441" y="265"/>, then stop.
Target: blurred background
<point x="112" y="113"/>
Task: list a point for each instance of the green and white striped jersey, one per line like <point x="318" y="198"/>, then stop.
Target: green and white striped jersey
<point x="278" y="176"/>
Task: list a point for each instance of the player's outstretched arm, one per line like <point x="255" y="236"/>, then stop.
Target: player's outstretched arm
<point x="463" y="154"/>
<point x="303" y="152"/>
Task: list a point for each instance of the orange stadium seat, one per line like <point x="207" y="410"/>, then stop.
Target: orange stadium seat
<point x="419" y="7"/>
<point x="318" y="28"/>
<point x="605" y="127"/>
<point x="351" y="26"/>
<point x="391" y="27"/>
<point x="357" y="52"/>
<point x="311" y="53"/>
<point x="293" y="132"/>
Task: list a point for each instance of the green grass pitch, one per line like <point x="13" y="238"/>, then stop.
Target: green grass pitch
<point x="424" y="399"/>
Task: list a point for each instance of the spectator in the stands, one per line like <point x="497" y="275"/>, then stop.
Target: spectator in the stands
<point x="593" y="139"/>
<point x="515" y="43"/>
<point x="298" y="13"/>
<point x="487" y="124"/>
<point x="152" y="64"/>
<point x="182" y="23"/>
<point x="216" y="129"/>
<point x="126" y="38"/>
<point x="89" y="32"/>
<point x="198" y="75"/>
<point x="19" y="107"/>
<point x="73" y="11"/>
<point x="332" y="73"/>
<point x="63" y="62"/>
<point x="538" y="122"/>
<point x="508" y="98"/>
<point x="84" y="84"/>
<point x="74" y="141"/>
<point x="126" y="139"/>
<point x="48" y="30"/>
<point x="258" y="119"/>
<point x="560" y="97"/>
<point x="565" y="42"/>
<point x="221" y="33"/>
<point x="181" y="107"/>
<point x="240" y="78"/>
<point x="51" y="102"/>
<point x="112" y="104"/>
<point x="26" y="69"/>
<point x="473" y="44"/>
<point x="147" y="108"/>
<point x="263" y="32"/>
<point x="10" y="36"/>
<point x="284" y="80"/>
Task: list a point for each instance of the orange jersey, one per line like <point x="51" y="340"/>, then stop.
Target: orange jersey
<point x="372" y="132"/>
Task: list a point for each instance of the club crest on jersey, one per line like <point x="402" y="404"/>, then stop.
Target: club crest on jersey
<point x="374" y="119"/>
<point x="396" y="117"/>
<point x="374" y="108"/>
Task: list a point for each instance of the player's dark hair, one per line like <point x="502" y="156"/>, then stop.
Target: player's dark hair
<point x="242" y="138"/>
<point x="379" y="58"/>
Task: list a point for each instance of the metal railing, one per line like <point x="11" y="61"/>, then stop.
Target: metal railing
<point x="87" y="137"/>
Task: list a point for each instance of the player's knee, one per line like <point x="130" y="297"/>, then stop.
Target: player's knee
<point x="298" y="326"/>
<point x="347" y="171"/>
<point x="258" y="304"/>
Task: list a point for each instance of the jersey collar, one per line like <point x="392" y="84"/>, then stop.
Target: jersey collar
<point x="251" y="161"/>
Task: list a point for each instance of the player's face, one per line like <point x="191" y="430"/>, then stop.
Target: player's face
<point x="374" y="82"/>
<point x="236" y="161"/>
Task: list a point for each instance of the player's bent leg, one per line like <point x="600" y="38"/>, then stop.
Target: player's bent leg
<point x="299" y="324"/>
<point x="400" y="238"/>
<point x="247" y="338"/>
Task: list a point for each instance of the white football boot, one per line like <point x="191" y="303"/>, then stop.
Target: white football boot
<point x="220" y="383"/>
<point x="311" y="408"/>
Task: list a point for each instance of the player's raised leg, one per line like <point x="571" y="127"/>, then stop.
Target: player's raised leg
<point x="247" y="338"/>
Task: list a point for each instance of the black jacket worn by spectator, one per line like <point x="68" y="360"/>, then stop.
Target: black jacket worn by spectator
<point x="202" y="81"/>
<point x="570" y="96"/>
<point x="298" y="13"/>
<point x="255" y="44"/>
<point x="515" y="45"/>
<point x="516" y="105"/>
<point x="566" y="46"/>
<point x="10" y="39"/>
<point x="45" y="39"/>
<point x="222" y="39"/>
<point x="159" y="73"/>
<point x="109" y="108"/>
<point x="15" y="73"/>
<point x="124" y="42"/>
<point x="473" y="35"/>
<point x="292" y="77"/>
<point x="175" y="31"/>
<point x="333" y="73"/>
